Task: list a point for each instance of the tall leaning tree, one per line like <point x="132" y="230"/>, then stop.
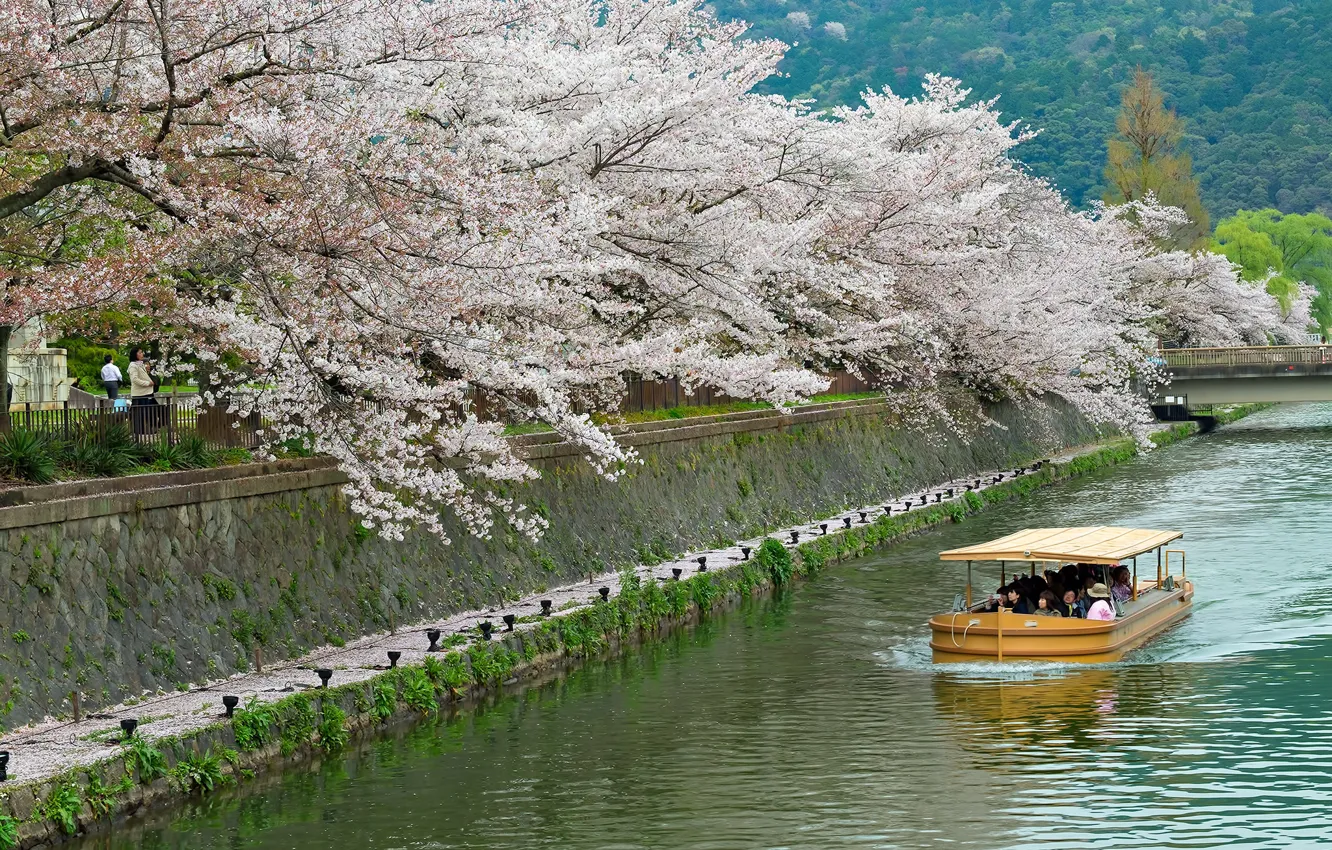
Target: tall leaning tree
<point x="1145" y="157"/>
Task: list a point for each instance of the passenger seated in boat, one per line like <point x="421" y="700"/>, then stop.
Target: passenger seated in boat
<point x="1046" y="606"/>
<point x="1068" y="606"/>
<point x="1017" y="603"/>
<point x="1068" y="577"/>
<point x="999" y="599"/>
<point x="1122" y="591"/>
<point x="1054" y="583"/>
<point x="1100" y="608"/>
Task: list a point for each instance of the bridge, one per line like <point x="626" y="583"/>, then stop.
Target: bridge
<point x="1202" y="377"/>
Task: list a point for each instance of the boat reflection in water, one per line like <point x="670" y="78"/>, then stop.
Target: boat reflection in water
<point x="971" y="633"/>
<point x="1064" y="711"/>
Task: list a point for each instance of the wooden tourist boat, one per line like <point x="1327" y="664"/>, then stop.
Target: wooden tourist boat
<point x="969" y="633"/>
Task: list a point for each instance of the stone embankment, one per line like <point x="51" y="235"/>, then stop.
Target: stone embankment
<point x="70" y="777"/>
<point x="110" y="590"/>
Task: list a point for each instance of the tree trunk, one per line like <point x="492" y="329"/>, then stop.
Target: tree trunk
<point x="5" y="331"/>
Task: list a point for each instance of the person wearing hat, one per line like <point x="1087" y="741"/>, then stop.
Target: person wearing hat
<point x="1100" y="608"/>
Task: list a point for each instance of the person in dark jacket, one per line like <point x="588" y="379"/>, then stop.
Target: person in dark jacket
<point x="1068" y="606"/>
<point x="1017" y="603"/>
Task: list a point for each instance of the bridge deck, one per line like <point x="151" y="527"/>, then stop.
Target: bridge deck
<point x="1205" y="376"/>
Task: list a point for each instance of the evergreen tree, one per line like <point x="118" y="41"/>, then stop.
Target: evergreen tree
<point x="1144" y="157"/>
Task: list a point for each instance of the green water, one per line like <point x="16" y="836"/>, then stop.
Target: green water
<point x="817" y="721"/>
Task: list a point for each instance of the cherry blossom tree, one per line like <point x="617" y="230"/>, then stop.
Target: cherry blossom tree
<point x="393" y="212"/>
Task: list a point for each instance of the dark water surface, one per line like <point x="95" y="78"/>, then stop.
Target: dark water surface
<point x="817" y="720"/>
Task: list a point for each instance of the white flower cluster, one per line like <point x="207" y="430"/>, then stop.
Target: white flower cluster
<point x="398" y="214"/>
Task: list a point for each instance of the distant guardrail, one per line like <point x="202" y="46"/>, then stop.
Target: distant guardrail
<point x="1264" y="355"/>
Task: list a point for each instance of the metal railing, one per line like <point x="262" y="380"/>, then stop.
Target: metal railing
<point x="1267" y="355"/>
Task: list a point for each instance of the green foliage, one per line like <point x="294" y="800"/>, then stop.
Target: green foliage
<point x="101" y="796"/>
<point x="1293" y="247"/>
<point x="456" y="676"/>
<point x="678" y="597"/>
<point x="654" y="601"/>
<point x="703" y="591"/>
<point x="8" y="832"/>
<point x="27" y="456"/>
<point x="1253" y="80"/>
<point x="773" y="558"/>
<point x="491" y="663"/>
<point x="62" y="807"/>
<point x="85" y="358"/>
<point x="253" y="724"/>
<point x="145" y="759"/>
<point x="332" y="731"/>
<point x="201" y="772"/>
<point x="418" y="691"/>
<point x="385" y="699"/>
<point x="296" y="720"/>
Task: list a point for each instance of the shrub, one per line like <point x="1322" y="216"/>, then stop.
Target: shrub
<point x="62" y="807"/>
<point x="296" y="718"/>
<point x="418" y="691"/>
<point x="704" y="592"/>
<point x="773" y="557"/>
<point x="490" y="664"/>
<point x="456" y="674"/>
<point x="253" y="724"/>
<point x="194" y="452"/>
<point x="332" y="734"/>
<point x="198" y="772"/>
<point x="145" y="758"/>
<point x="26" y="455"/>
<point x="101" y="795"/>
<point x="385" y="695"/>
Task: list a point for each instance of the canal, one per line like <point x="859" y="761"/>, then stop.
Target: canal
<point x="817" y="721"/>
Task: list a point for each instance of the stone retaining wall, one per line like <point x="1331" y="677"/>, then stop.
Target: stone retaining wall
<point x="112" y="589"/>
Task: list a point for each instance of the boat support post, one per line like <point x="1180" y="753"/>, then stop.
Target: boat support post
<point x="1159" y="577"/>
<point x="1135" y="577"/>
<point x="968" y="585"/>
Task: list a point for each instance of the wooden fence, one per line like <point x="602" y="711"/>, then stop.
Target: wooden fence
<point x="91" y="418"/>
<point x="86" y="416"/>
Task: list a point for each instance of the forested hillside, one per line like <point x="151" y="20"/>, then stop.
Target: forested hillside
<point x="1252" y="79"/>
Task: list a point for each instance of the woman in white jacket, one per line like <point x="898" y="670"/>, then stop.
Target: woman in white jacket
<point x="141" y="389"/>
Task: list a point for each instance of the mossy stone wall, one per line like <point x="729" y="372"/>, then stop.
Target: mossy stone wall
<point x="151" y="599"/>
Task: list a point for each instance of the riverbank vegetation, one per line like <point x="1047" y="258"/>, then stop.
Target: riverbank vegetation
<point x="522" y="202"/>
<point x="40" y="457"/>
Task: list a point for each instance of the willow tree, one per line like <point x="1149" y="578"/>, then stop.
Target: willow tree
<point x="1144" y="158"/>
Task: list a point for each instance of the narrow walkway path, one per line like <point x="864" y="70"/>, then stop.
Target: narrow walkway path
<point x="52" y="747"/>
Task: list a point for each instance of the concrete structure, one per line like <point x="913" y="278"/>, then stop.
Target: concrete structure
<point x="1201" y="377"/>
<point x="40" y="375"/>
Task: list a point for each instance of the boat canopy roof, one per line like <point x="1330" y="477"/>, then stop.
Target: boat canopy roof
<point x="1098" y="544"/>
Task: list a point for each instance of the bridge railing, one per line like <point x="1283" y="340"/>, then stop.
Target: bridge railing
<point x="1267" y="355"/>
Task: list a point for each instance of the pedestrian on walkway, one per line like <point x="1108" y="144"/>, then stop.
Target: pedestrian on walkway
<point x="141" y="390"/>
<point x="111" y="378"/>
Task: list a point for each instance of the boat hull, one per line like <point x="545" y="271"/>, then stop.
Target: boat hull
<point x="974" y="637"/>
